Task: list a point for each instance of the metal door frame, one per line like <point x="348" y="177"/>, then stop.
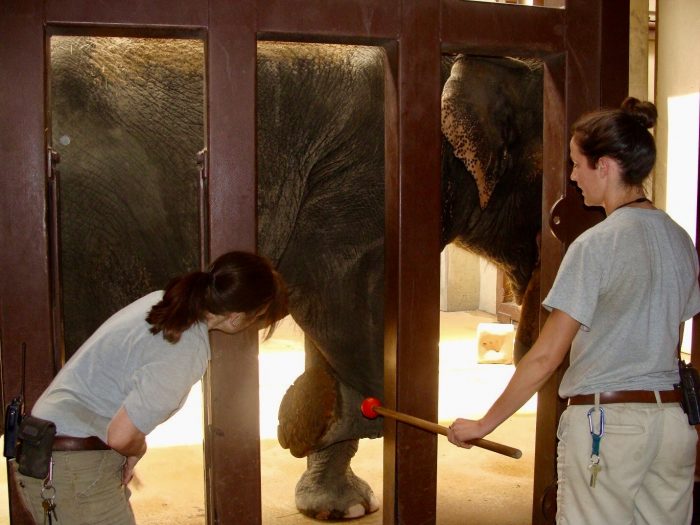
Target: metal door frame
<point x="581" y="46"/>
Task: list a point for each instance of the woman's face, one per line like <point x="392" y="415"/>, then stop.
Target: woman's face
<point x="236" y="322"/>
<point x="585" y="177"/>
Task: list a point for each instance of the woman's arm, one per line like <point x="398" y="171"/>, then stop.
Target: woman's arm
<point x="129" y="441"/>
<point x="530" y="375"/>
<point x="124" y="437"/>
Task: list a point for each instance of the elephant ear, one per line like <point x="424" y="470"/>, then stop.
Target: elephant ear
<point x="480" y="104"/>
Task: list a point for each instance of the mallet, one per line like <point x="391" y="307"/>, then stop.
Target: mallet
<point x="371" y="407"/>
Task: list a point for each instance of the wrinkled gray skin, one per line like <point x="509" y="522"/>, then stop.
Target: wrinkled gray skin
<point x="130" y="212"/>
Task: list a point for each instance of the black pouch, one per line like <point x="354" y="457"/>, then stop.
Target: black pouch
<point x="35" y="438"/>
<point x="689" y="388"/>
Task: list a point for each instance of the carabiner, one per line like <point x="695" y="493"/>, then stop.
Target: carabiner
<point x="602" y="422"/>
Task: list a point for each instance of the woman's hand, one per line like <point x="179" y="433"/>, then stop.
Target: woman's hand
<point x="129" y="441"/>
<point x="128" y="470"/>
<point x="461" y="431"/>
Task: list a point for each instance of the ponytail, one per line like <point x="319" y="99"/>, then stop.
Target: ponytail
<point x="182" y="305"/>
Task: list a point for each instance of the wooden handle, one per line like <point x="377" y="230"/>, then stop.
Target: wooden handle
<point x="439" y="429"/>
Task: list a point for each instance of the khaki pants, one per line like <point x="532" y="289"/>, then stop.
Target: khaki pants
<point x="647" y="459"/>
<point x="88" y="489"/>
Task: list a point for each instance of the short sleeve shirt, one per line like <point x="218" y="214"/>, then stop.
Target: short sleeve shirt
<point x="124" y="364"/>
<point x="630" y="281"/>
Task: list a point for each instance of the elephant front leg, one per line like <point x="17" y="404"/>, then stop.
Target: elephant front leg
<point x="330" y="490"/>
<point x="320" y="418"/>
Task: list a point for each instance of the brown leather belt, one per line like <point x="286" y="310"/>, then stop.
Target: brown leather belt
<point x="72" y="444"/>
<point x="627" y="396"/>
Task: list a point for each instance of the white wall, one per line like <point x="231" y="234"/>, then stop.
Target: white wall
<point x="459" y="280"/>
<point x="467" y="282"/>
<point x="678" y="101"/>
<point x="677" y="97"/>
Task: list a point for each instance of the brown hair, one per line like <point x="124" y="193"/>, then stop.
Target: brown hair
<point x="235" y="282"/>
<point x="621" y="134"/>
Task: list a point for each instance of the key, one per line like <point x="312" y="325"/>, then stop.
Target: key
<point x="49" y="511"/>
<point x="594" y="467"/>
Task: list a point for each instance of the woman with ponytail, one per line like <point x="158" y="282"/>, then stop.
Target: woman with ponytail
<point x="134" y="373"/>
<point x="626" y="451"/>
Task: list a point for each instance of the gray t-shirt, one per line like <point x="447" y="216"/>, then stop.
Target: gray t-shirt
<point x="630" y="281"/>
<point x="123" y="363"/>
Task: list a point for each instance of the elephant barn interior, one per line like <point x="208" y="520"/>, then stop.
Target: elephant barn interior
<point x="449" y="316"/>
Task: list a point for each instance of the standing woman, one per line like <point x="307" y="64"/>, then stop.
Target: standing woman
<point x="134" y="373"/>
<point x="624" y="288"/>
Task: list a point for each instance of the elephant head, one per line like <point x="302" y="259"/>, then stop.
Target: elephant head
<point x="486" y="114"/>
<point x="492" y="162"/>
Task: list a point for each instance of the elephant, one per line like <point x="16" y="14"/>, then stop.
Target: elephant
<point x="130" y="208"/>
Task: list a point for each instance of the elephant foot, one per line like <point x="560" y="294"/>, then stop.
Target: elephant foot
<point x="330" y="490"/>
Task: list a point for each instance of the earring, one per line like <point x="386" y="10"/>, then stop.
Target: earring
<point x="236" y="322"/>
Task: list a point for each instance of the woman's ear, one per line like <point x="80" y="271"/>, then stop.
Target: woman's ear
<point x="235" y="319"/>
<point x="607" y="166"/>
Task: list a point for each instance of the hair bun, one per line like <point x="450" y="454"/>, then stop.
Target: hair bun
<point x="643" y="112"/>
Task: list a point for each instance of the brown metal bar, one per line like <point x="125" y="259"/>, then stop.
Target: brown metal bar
<point x="25" y="309"/>
<point x="232" y="439"/>
<point x="338" y="20"/>
<point x="135" y="13"/>
<point x="553" y="186"/>
<point x="502" y="29"/>
<point x="583" y="82"/>
<point x="583" y="57"/>
<point x="392" y="163"/>
<point x="411" y="370"/>
<point x="24" y="279"/>
<point x="615" y="55"/>
<point x="597" y="61"/>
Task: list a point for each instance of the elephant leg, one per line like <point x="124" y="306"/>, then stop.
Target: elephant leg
<point x="529" y="325"/>
<point x="330" y="490"/>
<point x="320" y="418"/>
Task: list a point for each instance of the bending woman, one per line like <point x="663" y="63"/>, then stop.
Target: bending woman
<point x="134" y="373"/>
<point x="623" y="289"/>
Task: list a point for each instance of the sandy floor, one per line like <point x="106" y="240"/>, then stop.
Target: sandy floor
<point x="474" y="486"/>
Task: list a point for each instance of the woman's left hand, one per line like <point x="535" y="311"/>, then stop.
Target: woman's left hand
<point x="128" y="470"/>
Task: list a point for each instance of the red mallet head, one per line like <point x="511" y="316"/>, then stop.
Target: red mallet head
<point x="368" y="405"/>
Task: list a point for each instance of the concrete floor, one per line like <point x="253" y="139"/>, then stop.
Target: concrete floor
<point x="474" y="486"/>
